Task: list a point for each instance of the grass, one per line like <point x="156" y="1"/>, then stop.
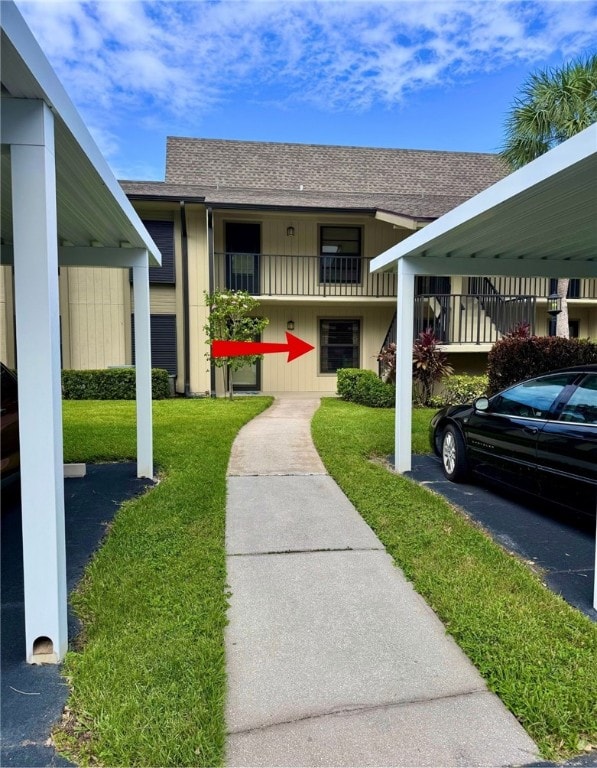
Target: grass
<point x="535" y="651"/>
<point x="148" y="683"/>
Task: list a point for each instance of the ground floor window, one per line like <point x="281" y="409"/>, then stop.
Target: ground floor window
<point x="340" y="342"/>
<point x="163" y="342"/>
<point x="573" y="328"/>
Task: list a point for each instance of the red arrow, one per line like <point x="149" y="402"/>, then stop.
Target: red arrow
<point x="294" y="346"/>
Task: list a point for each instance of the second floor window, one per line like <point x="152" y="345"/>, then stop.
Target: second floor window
<point x="573" y="288"/>
<point x="340" y="254"/>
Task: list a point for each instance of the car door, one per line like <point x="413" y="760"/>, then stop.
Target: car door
<point x="502" y="440"/>
<point x="567" y="449"/>
<point x="9" y="425"/>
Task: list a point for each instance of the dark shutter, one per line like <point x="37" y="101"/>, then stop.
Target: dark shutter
<point x="162" y="234"/>
<point x="163" y="342"/>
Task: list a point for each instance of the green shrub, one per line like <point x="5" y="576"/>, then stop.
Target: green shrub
<point x="111" y="384"/>
<point x="460" y="389"/>
<point x="347" y="379"/>
<point x="514" y="359"/>
<point x="365" y="388"/>
<point x="372" y="391"/>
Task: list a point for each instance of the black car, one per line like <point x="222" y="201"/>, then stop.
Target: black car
<point x="9" y="427"/>
<point x="539" y="436"/>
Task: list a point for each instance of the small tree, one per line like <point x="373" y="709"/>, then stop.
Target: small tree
<point x="430" y="364"/>
<point x="230" y="320"/>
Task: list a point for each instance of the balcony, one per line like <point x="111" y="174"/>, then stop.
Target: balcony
<point x="472" y="319"/>
<point x="317" y="276"/>
<point x="540" y="287"/>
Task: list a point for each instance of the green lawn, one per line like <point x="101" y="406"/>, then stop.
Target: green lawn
<point x="148" y="684"/>
<point x="536" y="652"/>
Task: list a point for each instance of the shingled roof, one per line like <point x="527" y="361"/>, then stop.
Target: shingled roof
<point x="420" y="184"/>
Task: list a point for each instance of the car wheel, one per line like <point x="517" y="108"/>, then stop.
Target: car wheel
<point x="454" y="461"/>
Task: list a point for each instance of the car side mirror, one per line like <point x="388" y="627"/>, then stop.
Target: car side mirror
<point x="481" y="404"/>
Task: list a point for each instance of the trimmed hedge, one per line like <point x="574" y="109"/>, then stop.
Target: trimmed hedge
<point x="513" y="359"/>
<point x="111" y="384"/>
<point x="460" y="389"/>
<point x="365" y="388"/>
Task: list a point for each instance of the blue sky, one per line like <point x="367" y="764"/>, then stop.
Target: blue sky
<point x="418" y="74"/>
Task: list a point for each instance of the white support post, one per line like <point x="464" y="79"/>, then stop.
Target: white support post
<point x="143" y="371"/>
<point x="405" y="308"/>
<point x="33" y="171"/>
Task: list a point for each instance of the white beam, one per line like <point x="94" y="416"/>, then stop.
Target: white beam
<point x="92" y="256"/>
<point x="451" y="266"/>
<point x="33" y="174"/>
<point x="405" y="309"/>
<point x="526" y="184"/>
<point x="143" y="372"/>
<point x="88" y="256"/>
<point x="399" y="220"/>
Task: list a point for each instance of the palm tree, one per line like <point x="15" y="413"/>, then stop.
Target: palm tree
<point x="552" y="105"/>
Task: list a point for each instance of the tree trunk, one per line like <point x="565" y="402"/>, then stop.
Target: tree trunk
<point x="229" y="382"/>
<point x="562" y="328"/>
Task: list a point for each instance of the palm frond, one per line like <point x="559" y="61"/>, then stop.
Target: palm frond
<point x="552" y="105"/>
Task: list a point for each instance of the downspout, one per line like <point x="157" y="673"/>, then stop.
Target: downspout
<point x="211" y="262"/>
<point x="185" y="300"/>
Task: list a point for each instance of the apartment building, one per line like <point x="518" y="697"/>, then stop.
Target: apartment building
<point x="297" y="226"/>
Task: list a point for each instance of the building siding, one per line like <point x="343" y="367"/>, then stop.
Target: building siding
<point x="95" y="310"/>
<point x="303" y="375"/>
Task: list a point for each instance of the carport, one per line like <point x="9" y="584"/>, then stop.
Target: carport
<point x="61" y="205"/>
<point x="539" y="221"/>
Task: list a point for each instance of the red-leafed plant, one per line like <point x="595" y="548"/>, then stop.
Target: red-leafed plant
<point x="430" y="364"/>
<point x="387" y="358"/>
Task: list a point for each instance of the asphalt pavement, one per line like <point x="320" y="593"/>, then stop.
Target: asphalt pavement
<point x="558" y="543"/>
<point x="33" y="697"/>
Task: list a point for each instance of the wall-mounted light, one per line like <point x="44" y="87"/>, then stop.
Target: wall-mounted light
<point x="290" y="231"/>
<point x="290" y="325"/>
<point x="554" y="304"/>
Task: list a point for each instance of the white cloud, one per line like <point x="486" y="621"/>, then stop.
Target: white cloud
<point x="151" y="61"/>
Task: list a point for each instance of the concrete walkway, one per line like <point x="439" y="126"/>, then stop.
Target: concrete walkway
<point x="333" y="659"/>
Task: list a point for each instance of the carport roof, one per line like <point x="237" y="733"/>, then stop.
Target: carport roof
<point x="545" y="212"/>
<point x="91" y="206"/>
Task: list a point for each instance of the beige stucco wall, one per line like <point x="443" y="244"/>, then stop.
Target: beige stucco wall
<point x="95" y="312"/>
<point x="7" y="313"/>
<point x="281" y="274"/>
<point x="197" y="232"/>
<point x="96" y="304"/>
<point x="378" y="236"/>
<point x="303" y="374"/>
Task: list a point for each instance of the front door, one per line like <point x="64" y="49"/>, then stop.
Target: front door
<point x="243" y="247"/>
<point x="248" y="378"/>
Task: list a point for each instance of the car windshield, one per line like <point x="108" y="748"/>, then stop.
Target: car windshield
<point x="582" y="406"/>
<point x="532" y="399"/>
